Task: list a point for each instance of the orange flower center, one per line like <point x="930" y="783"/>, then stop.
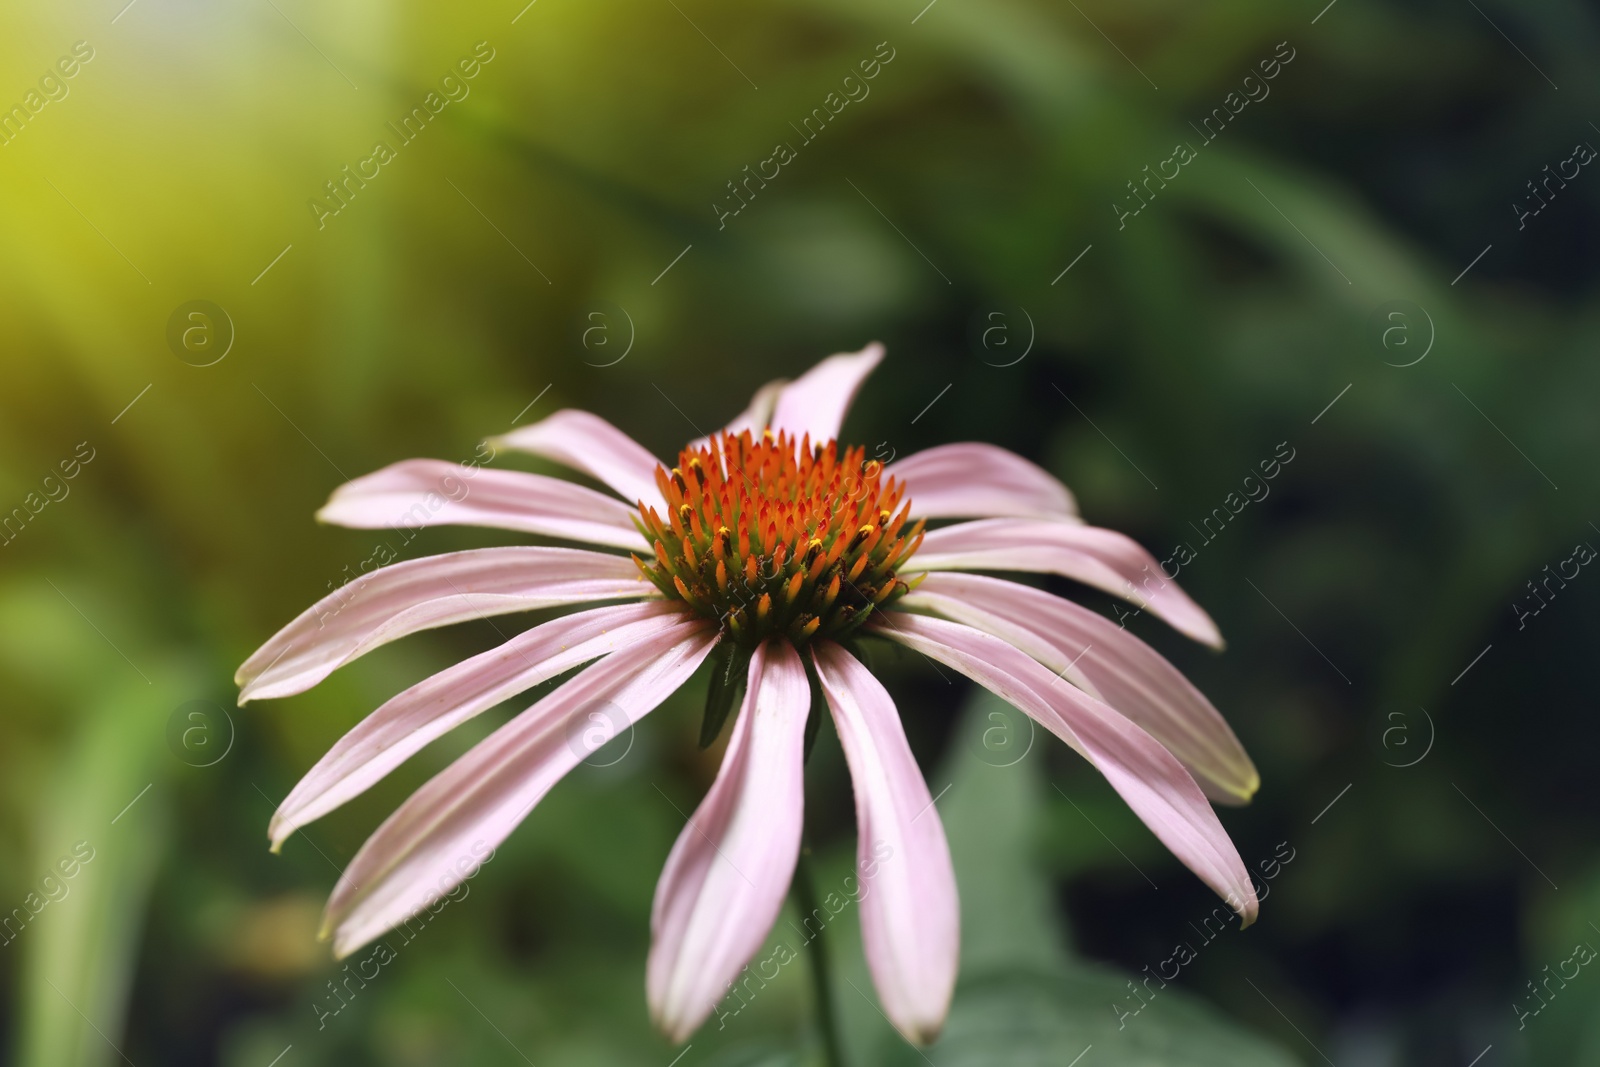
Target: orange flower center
<point x="772" y="536"/>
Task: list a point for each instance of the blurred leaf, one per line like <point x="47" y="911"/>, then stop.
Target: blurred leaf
<point x="1024" y="1020"/>
<point x="107" y="803"/>
<point x="1022" y="999"/>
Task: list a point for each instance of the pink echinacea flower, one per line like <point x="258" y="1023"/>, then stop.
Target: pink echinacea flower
<point x="765" y="550"/>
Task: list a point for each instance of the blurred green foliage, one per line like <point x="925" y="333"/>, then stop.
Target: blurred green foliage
<point x="449" y="298"/>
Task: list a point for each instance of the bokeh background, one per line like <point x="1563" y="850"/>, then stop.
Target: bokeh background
<point x="1424" y="726"/>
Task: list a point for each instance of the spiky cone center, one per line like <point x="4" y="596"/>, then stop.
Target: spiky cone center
<point x="772" y="536"/>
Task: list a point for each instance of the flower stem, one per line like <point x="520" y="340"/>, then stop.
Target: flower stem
<point x="805" y="898"/>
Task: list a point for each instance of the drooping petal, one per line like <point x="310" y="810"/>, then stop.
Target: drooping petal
<point x="431" y="492"/>
<point x="910" y="915"/>
<point x="442" y="833"/>
<point x="1124" y="671"/>
<point x="405" y="724"/>
<point x="592" y="445"/>
<point x="725" y="881"/>
<point x="1093" y="555"/>
<point x="815" y="403"/>
<point x="973" y="480"/>
<point x="1149" y="778"/>
<point x="421" y="594"/>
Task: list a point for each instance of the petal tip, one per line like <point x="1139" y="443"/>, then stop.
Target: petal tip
<point x="677" y="1033"/>
<point x="343" y="944"/>
<point x="1204" y="629"/>
<point x="1248" y="911"/>
<point x="869" y="357"/>
<point x="1234" y="790"/>
<point x="673" y="1023"/>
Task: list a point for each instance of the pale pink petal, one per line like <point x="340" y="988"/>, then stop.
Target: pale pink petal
<point x="431" y="492"/>
<point x="1095" y="556"/>
<point x="815" y="403"/>
<point x="727" y="876"/>
<point x="972" y="480"/>
<point x="1149" y="778"/>
<point x="1121" y="669"/>
<point x="421" y="594"/>
<point x="443" y="832"/>
<point x="407" y="723"/>
<point x="910" y="915"/>
<point x="590" y="444"/>
<point x="753" y="418"/>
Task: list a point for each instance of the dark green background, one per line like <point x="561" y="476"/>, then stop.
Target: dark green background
<point x="1176" y="354"/>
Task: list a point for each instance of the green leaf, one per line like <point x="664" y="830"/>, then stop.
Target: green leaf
<point x="991" y="817"/>
<point x="819" y="704"/>
<point x="107" y="803"/>
<point x="1018" y="1019"/>
<point x="730" y="664"/>
<point x="757" y="1056"/>
<point x="1022" y="998"/>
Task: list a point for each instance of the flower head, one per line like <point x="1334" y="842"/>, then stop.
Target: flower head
<point x="773" y="537"/>
<point x="768" y="548"/>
